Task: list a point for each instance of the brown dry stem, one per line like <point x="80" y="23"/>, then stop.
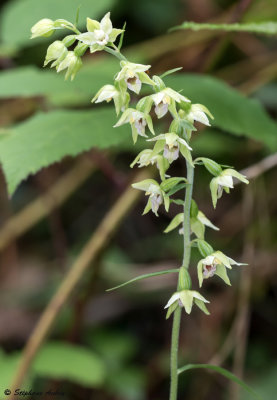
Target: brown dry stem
<point x="91" y="250"/>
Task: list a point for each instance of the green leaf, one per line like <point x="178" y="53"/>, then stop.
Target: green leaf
<point x="170" y="183"/>
<point x="18" y="16"/>
<point x="47" y="138"/>
<point x="179" y="202"/>
<point x="138" y="278"/>
<point x="264" y="28"/>
<point x="176" y="221"/>
<point x="31" y="81"/>
<point x="233" y="112"/>
<point x="176" y="188"/>
<point x="213" y="167"/>
<point x="223" y="372"/>
<point x="73" y="363"/>
<point x="171" y="71"/>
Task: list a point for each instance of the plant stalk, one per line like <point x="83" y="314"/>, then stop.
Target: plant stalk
<point x="178" y="311"/>
<point x="115" y="53"/>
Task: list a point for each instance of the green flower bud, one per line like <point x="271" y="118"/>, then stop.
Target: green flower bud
<point x="72" y="63"/>
<point x="56" y="52"/>
<point x="44" y="27"/>
<point x="69" y="40"/>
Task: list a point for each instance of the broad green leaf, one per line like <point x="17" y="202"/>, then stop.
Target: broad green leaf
<point x="56" y="360"/>
<point x="223" y="372"/>
<point x="138" y="278"/>
<point x="47" y="138"/>
<point x="31" y="81"/>
<point x="74" y="363"/>
<point x="264" y="28"/>
<point x="233" y="112"/>
<point x="18" y="16"/>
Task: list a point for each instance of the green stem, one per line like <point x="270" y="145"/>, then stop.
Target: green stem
<point x="174" y="354"/>
<point x="177" y="313"/>
<point x="115" y="53"/>
<point x="186" y="222"/>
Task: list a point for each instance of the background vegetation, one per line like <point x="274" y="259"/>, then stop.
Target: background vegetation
<point x="64" y="167"/>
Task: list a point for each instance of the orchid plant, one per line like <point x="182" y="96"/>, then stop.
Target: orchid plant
<point x="167" y="147"/>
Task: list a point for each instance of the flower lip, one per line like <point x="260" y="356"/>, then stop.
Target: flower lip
<point x="209" y="270"/>
<point x="133" y="83"/>
<point x="101" y="37"/>
<point x="140" y="125"/>
<point x="226" y="181"/>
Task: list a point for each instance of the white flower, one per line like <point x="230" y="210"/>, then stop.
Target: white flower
<point x="110" y="92"/>
<point x="72" y="63"/>
<point x="99" y="33"/>
<point x="164" y="99"/>
<point x="171" y="145"/>
<point x="198" y="113"/>
<point x="56" y="52"/>
<point x="224" y="181"/>
<point x="186" y="299"/>
<point x="197" y="224"/>
<point x="45" y="27"/>
<point x="215" y="264"/>
<point x="133" y="75"/>
<point x="156" y="195"/>
<point x="147" y="157"/>
<point x="138" y="121"/>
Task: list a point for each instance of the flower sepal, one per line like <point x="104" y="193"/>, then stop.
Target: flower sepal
<point x="186" y="299"/>
<point x="138" y="121"/>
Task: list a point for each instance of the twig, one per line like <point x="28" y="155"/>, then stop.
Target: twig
<point x="91" y="250"/>
<point x="45" y="204"/>
<point x="260" y="167"/>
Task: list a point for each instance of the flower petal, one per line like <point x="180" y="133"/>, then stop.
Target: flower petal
<point x="172" y="299"/>
<point x="106" y="24"/>
<point x="92" y="24"/>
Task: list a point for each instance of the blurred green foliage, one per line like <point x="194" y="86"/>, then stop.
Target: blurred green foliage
<point x="110" y="356"/>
